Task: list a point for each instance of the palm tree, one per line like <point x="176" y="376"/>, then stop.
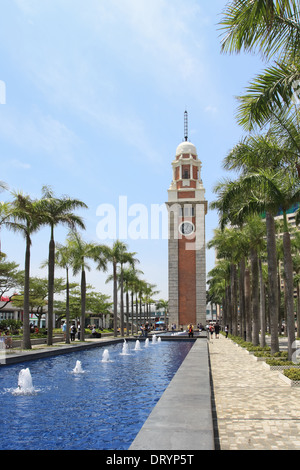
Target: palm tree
<point x="163" y="305"/>
<point x="115" y="255"/>
<point x="255" y="232"/>
<point x="272" y="191"/>
<point x="131" y="280"/>
<point x="218" y="282"/>
<point x="227" y="244"/>
<point x="150" y="291"/>
<point x="63" y="260"/>
<point x="57" y="211"/>
<point x="80" y="251"/>
<point x="25" y="217"/>
<point x="125" y="258"/>
<point x="296" y="268"/>
<point x="271" y="26"/>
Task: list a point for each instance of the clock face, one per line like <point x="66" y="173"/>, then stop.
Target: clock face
<point x="186" y="228"/>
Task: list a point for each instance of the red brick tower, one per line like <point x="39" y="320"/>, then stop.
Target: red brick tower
<point x="187" y="208"/>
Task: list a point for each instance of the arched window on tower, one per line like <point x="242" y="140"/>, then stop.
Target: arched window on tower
<point x="186" y="174"/>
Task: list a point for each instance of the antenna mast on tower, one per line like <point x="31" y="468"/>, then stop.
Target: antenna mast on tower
<point x="186" y="131"/>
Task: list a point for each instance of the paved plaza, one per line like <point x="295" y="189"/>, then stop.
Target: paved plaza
<point x="254" y="409"/>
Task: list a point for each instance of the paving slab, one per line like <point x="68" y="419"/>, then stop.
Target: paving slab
<point x="253" y="408"/>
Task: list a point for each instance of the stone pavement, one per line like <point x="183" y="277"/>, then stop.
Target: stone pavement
<point x="253" y="408"/>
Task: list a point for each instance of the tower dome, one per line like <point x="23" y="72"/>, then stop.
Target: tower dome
<point x="186" y="148"/>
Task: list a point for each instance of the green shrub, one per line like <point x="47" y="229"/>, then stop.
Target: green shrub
<point x="258" y="348"/>
<point x="279" y="362"/>
<point x="293" y="374"/>
<point x="282" y="354"/>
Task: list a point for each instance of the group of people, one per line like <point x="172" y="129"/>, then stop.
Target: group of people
<point x="145" y="329"/>
<point x="213" y="328"/>
<point x="6" y="341"/>
<point x="73" y="331"/>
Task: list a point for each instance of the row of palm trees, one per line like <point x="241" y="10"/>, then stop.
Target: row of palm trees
<point x="26" y="215"/>
<point x="267" y="159"/>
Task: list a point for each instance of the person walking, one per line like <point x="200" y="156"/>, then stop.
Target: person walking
<point x="73" y="332"/>
<point x="64" y="330"/>
<point x="217" y="330"/>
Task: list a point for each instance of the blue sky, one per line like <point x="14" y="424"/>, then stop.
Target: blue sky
<point x="95" y="97"/>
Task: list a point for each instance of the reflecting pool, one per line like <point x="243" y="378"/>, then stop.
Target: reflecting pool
<point x="85" y="400"/>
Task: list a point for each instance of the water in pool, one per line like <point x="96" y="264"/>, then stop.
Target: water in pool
<point x="95" y="399"/>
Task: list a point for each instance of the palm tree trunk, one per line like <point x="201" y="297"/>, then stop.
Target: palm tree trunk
<point x="272" y="278"/>
<point x="242" y="297"/>
<point x="262" y="307"/>
<point x="51" y="264"/>
<point x="83" y="296"/>
<point x="122" y="303"/>
<point x="115" y="299"/>
<point x="233" y="299"/>
<point x="68" y="307"/>
<point x="228" y="309"/>
<point x="248" y="305"/>
<point x="127" y="312"/>
<point x="26" y="343"/>
<point x="137" y="314"/>
<point x="288" y="273"/>
<point x="255" y="298"/>
<point x="298" y="309"/>
<point x="132" y="311"/>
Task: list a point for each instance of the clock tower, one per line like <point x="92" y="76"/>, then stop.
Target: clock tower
<point x="187" y="208"/>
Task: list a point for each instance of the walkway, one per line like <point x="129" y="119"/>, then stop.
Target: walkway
<point x="254" y="409"/>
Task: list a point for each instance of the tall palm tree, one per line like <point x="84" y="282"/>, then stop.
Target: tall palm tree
<point x="57" y="211"/>
<point x="63" y="260"/>
<point x="25" y="217"/>
<point x="125" y="258"/>
<point x="218" y="282"/>
<point x="80" y="252"/>
<point x="226" y="242"/>
<point x="150" y="291"/>
<point x="115" y="255"/>
<point x="131" y="278"/>
<point x="271" y="26"/>
<point x="256" y="229"/>
<point x="272" y="191"/>
<point x="296" y="268"/>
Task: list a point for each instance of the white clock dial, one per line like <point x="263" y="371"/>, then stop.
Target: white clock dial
<point x="186" y="228"/>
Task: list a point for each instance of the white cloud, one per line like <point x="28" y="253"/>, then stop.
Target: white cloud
<point x="19" y="165"/>
<point x="38" y="134"/>
<point x="211" y="109"/>
<point x="108" y="58"/>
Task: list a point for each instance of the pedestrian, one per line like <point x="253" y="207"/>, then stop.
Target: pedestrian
<point x="64" y="330"/>
<point x="226" y="331"/>
<point x="73" y="332"/>
<point x="191" y="330"/>
<point x="146" y="330"/>
<point x="217" y="330"/>
<point x="211" y="330"/>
